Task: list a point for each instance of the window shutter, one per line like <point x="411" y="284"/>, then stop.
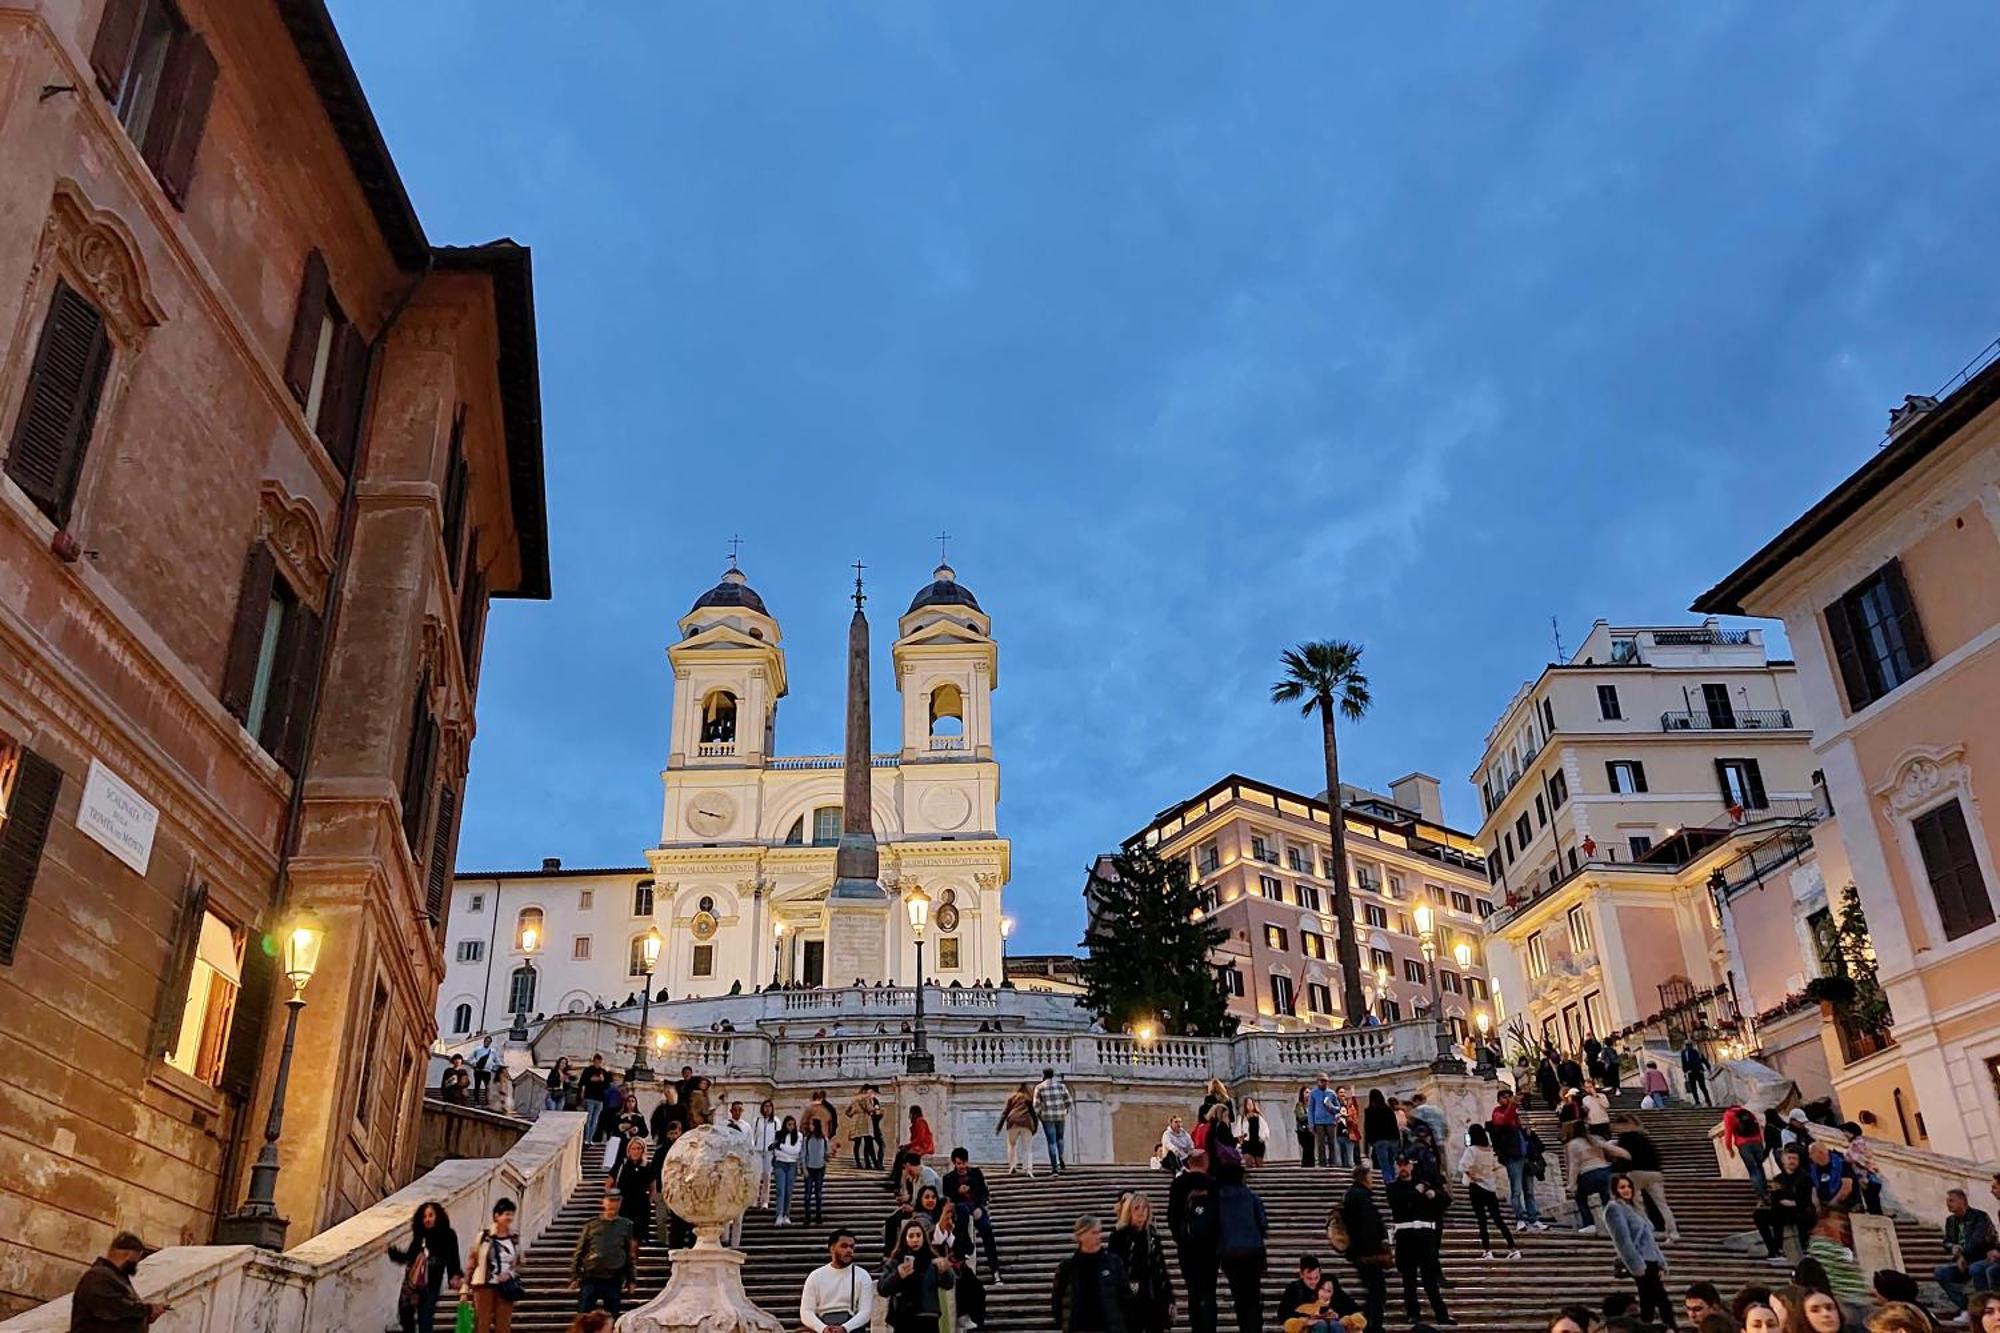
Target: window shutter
<point x="418" y="762"/>
<point x="185" y="941"/>
<point x="111" y="52"/>
<point x="438" y="873"/>
<point x="1758" y="799"/>
<point x="456" y="481"/>
<point x="1950" y="863"/>
<point x="1722" y="781"/>
<point x="173" y="137"/>
<point x="36" y="785"/>
<point x="253" y="1011"/>
<point x="472" y="612"/>
<point x="1840" y="632"/>
<point x="1638" y="775"/>
<point x="340" y="406"/>
<point x="60" y="405"/>
<point x="306" y="320"/>
<point x="294" y="692"/>
<point x="246" y="639"/>
<point x="1906" y="616"/>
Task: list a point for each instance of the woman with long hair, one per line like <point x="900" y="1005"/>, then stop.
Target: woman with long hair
<point x="1149" y="1285"/>
<point x="1587" y="1160"/>
<point x="1217" y="1091"/>
<point x="1302" y="1127"/>
<point x="429" y="1258"/>
<point x="1252" y="1132"/>
<point x="1811" y="1311"/>
<point x="560" y="1085"/>
<point x="1380" y="1137"/>
<point x="637" y="1181"/>
<point x="1017" y="1122"/>
<point x="813" y="1155"/>
<point x="1220" y="1140"/>
<point x="929" y="1205"/>
<point x="786" y="1150"/>
<point x="1759" y="1317"/>
<point x="1481" y="1172"/>
<point x="913" y="1279"/>
<point x="1984" y="1309"/>
<point x="1638" y="1247"/>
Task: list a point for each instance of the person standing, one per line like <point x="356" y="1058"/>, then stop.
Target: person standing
<point x="1694" y="1068"/>
<point x="1593" y="1056"/>
<point x="837" y="1297"/>
<point x="594" y="1079"/>
<point x="763" y="1138"/>
<point x="1380" y="1134"/>
<point x="559" y="1086"/>
<point x="1347" y="1138"/>
<point x="1548" y="1083"/>
<point x="1596" y="1109"/>
<point x="1614" y="1066"/>
<point x="1367" y="1245"/>
<point x="493" y="1273"/>
<point x="1253" y="1132"/>
<point x="483" y="1059"/>
<point x="1088" y="1294"/>
<point x="1644" y="1169"/>
<point x="786" y="1149"/>
<point x="1587" y="1162"/>
<point x="1421" y="1109"/>
<point x="1017" y="1122"/>
<point x="105" y="1300"/>
<point x="1053" y="1104"/>
<point x="1480" y="1170"/>
<point x="1241" y="1226"/>
<point x="1323" y="1114"/>
<point x="429" y="1258"/>
<point x="915" y="1281"/>
<point x="813" y="1154"/>
<point x="1148" y="1299"/>
<point x="1743" y="1135"/>
<point x="1509" y="1140"/>
<point x="605" y="1263"/>
<point x="637" y="1182"/>
<point x="1302" y="1126"/>
<point x="1639" y="1250"/>
<point x="1415" y="1209"/>
<point x="858" y="1110"/>
<point x="1191" y="1220"/>
<point x="455" y="1086"/>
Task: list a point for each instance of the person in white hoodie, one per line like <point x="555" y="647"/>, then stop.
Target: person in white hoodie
<point x="763" y="1137"/>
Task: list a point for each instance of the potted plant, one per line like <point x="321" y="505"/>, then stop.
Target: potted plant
<point x="1836" y="991"/>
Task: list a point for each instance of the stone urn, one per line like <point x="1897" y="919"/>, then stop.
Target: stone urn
<point x="708" y="1179"/>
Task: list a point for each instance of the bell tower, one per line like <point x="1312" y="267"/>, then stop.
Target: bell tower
<point x="729" y="673"/>
<point x="947" y="666"/>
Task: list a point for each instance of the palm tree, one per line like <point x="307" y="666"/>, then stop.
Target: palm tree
<point x="1326" y="677"/>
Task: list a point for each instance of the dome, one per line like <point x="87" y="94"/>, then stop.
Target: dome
<point x="944" y="590"/>
<point x="734" y="590"/>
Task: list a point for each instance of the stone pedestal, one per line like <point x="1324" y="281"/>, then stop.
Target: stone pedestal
<point x="708" y="1179"/>
<point x="857" y="939"/>
<point x="1875" y="1243"/>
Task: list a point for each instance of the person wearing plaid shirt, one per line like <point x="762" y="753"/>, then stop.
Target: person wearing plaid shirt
<point x="1052" y="1108"/>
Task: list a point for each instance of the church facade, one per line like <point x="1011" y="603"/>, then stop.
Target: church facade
<point x="739" y="884"/>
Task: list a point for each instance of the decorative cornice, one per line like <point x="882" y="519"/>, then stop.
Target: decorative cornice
<point x="1920" y="775"/>
<point x="292" y="529"/>
<point x="100" y="253"/>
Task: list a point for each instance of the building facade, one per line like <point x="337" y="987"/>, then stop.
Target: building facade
<point x="737" y="884"/>
<point x="1260" y="856"/>
<point x="267" y="455"/>
<point x="1614" y="785"/>
<point x="1889" y="589"/>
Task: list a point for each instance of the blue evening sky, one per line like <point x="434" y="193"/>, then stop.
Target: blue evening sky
<point x="1204" y="329"/>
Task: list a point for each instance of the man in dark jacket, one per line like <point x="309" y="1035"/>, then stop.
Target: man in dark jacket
<point x="1240" y="1227"/>
<point x="964" y="1188"/>
<point x="1788" y="1206"/>
<point x="1089" y="1284"/>
<point x="1417" y="1207"/>
<point x="1191" y="1219"/>
<point x="1367" y="1242"/>
<point x="105" y="1301"/>
<point x="1969" y="1238"/>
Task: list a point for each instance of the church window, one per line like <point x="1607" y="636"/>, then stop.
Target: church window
<point x="826" y="826"/>
<point x="947" y="953"/>
<point x="797" y="835"/>
<point x="642" y="898"/>
<point x="703" y="964"/>
<point x="718" y="718"/>
<point x="947" y="711"/>
<point x="461" y="1019"/>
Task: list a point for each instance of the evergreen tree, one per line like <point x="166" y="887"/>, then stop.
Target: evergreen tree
<point x="1149" y="944"/>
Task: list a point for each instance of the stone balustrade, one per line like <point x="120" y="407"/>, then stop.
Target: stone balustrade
<point x="1914" y="1180"/>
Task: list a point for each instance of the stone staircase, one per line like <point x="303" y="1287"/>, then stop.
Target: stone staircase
<point x="1033" y="1217"/>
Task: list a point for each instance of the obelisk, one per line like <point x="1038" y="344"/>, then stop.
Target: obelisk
<point x="857" y="907"/>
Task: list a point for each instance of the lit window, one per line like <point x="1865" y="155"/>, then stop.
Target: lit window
<point x="1276" y="938"/>
<point x="1271" y="888"/>
<point x="1579" y="930"/>
<point x="1538" y="956"/>
<point x="211" y="1002"/>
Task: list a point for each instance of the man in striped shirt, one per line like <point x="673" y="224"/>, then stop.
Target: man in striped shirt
<point x="1052" y="1108"/>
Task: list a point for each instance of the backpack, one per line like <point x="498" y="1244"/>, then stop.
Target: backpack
<point x="1337" y="1238"/>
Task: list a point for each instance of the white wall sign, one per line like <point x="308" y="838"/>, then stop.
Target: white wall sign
<point x="117" y="816"/>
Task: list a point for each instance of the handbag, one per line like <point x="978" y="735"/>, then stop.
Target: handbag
<point x="466" y="1320"/>
<point x="509" y="1291"/>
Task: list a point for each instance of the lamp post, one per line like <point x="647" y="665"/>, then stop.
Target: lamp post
<point x="649" y="952"/>
<point x="1447" y="1060"/>
<point x="1485" y="1066"/>
<point x="918" y="904"/>
<point x="531" y="940"/>
<point x="1006" y="929"/>
<point x="257" y="1221"/>
<point x="777" y="950"/>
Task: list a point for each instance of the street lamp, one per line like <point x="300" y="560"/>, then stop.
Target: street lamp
<point x="777" y="949"/>
<point x="257" y="1221"/>
<point x="531" y="940"/>
<point x="1006" y="929"/>
<point x="1447" y="1060"/>
<point x="649" y="953"/>
<point x="1485" y="1024"/>
<point x="918" y="904"/>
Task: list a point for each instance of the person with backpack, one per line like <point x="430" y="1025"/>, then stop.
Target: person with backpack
<point x="1191" y="1219"/>
<point x="1357" y="1231"/>
<point x="493" y="1274"/>
<point x="1241" y="1225"/>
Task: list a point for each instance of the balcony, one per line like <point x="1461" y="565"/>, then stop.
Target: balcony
<point x="1701" y="638"/>
<point x="715" y="749"/>
<point x="947" y="744"/>
<point x="1749" y="719"/>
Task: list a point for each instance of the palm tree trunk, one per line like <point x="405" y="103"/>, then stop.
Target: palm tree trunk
<point x="1347" y="948"/>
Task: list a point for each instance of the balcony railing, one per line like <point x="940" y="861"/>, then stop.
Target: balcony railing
<point x="1748" y="719"/>
<point x="1699" y="638"/>
<point x="715" y="749"/>
<point x="939" y="743"/>
<point x="819" y="761"/>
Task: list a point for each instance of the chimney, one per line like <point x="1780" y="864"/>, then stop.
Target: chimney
<point x="1419" y="792"/>
<point x="551" y="863"/>
<point x="1915" y="407"/>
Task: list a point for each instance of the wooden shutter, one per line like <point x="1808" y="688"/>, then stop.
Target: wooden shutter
<point x="60" y="405"/>
<point x="472" y="612"/>
<point x="456" y="481"/>
<point x="1847" y="656"/>
<point x="183" y="944"/>
<point x="1906" y="616"/>
<point x="438" y="873"/>
<point x="1722" y="781"/>
<point x="294" y="691"/>
<point x="1759" y="800"/>
<point x="246" y="639"/>
<point x="173" y="134"/>
<point x="37" y="782"/>
<point x="419" y="761"/>
<point x="1952" y="866"/>
<point x="253" y="1011"/>
<point x="307" y="317"/>
<point x="340" y="404"/>
<point x="111" y="52"/>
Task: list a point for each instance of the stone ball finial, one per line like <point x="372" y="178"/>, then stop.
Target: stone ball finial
<point x="708" y="1179"/>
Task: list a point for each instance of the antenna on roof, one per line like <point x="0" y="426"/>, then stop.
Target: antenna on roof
<point x="1556" y="630"/>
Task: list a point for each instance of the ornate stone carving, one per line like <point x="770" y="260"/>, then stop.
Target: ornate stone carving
<point x="99" y="253"/>
<point x="291" y="528"/>
<point x="708" y="1179"/>
<point x="1921" y="776"/>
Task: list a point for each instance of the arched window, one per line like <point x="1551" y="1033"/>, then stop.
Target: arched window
<point x="947" y="711"/>
<point x="461" y="1019"/>
<point x="826" y="826"/>
<point x="797" y="834"/>
<point x="635" y="964"/>
<point x="530" y="920"/>
<point x="718" y="717"/>
<point x="521" y="993"/>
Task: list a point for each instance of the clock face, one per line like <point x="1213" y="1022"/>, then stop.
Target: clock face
<point x="710" y="812"/>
